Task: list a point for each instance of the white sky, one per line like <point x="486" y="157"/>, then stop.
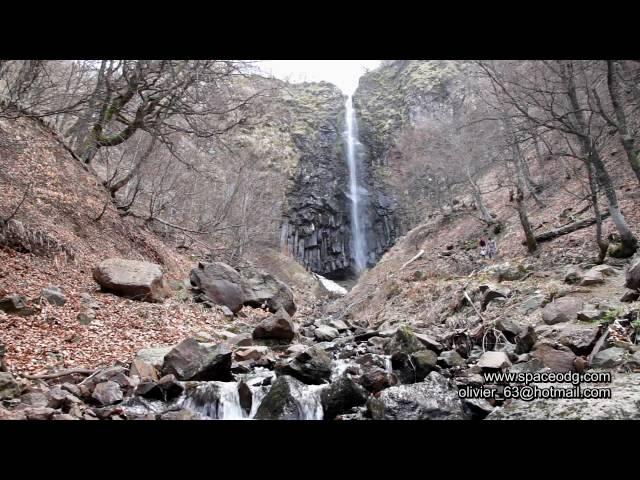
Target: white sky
<point x="342" y="73"/>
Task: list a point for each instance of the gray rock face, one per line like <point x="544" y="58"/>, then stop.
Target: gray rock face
<point x="561" y="310"/>
<point x="342" y="395"/>
<point x="313" y="366"/>
<point x="191" y="360"/>
<point x="107" y="393"/>
<point x="633" y="274"/>
<point x="609" y="358"/>
<point x="9" y="387"/>
<point x="54" y="296"/>
<point x="276" y="327"/>
<point x="432" y="399"/>
<point x="623" y="404"/>
<point x="131" y="279"/>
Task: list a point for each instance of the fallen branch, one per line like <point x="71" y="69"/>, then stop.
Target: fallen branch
<point x="47" y="376"/>
<point x="474" y="307"/>
<point x="416" y="257"/>
<point x="572" y="227"/>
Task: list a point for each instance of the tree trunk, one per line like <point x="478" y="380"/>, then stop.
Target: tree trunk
<point x="530" y="239"/>
<point x="623" y="129"/>
<point x="603" y="245"/>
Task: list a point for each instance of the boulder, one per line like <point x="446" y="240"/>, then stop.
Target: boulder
<point x="154" y="356"/>
<point x="580" y="339"/>
<point x="313" y="366"/>
<point x="9" y="386"/>
<point x="573" y="275"/>
<point x="143" y="370"/>
<point x="339" y="325"/>
<point x="561" y="310"/>
<point x="403" y="340"/>
<point x="329" y="287"/>
<point x="282" y="402"/>
<point x="632" y="280"/>
<point x="325" y="333"/>
<point x="245" y="397"/>
<point x="432" y="399"/>
<point x="492" y="292"/>
<point x="630" y="296"/>
<point x="191" y="360"/>
<point x="510" y="328"/>
<point x="53" y="295"/>
<point x="251" y="353"/>
<point x="276" y="327"/>
<point x="451" y="358"/>
<point x="526" y="339"/>
<point x="219" y="283"/>
<point x="623" y="404"/>
<point x="532" y="303"/>
<point x="15" y="304"/>
<point x="107" y="393"/>
<point x="261" y="288"/>
<point x="592" y="277"/>
<point x="342" y="395"/>
<point x="590" y="315"/>
<point x="494" y="360"/>
<point x="132" y="279"/>
<point x="559" y="359"/>
<point x="609" y="358"/>
<point x="429" y="342"/>
<point x="166" y="389"/>
<point x="39" y="413"/>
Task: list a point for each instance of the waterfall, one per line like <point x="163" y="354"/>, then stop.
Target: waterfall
<point x="358" y="238"/>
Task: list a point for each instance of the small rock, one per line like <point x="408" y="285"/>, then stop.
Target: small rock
<point x="226" y="311"/>
<point x="107" y="393"/>
<point x="54" y="296"/>
<point x="39" y="413"/>
<point x="592" y="277"/>
<point x="573" y="275"/>
<point x="451" y="359"/>
<point x="494" y="360"/>
<point x="86" y="317"/>
<point x="183" y="414"/>
<point x="325" y="333"/>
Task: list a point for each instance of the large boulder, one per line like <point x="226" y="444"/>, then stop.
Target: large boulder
<point x="313" y="366"/>
<point x="276" y="327"/>
<point x="579" y="338"/>
<point x="192" y="360"/>
<point x="221" y="284"/>
<point x="633" y="275"/>
<point x="132" y="279"/>
<point x="403" y="340"/>
<point x="561" y="310"/>
<point x="284" y="402"/>
<point x="261" y="288"/>
<point x="342" y="395"/>
<point x="623" y="404"/>
<point x="432" y="399"/>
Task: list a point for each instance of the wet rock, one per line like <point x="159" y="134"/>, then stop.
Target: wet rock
<point x="325" y="333"/>
<point x="191" y="360"/>
<point x="53" y="295"/>
<point x="494" y="360"/>
<point x="9" y="386"/>
<point x="630" y="296"/>
<point x="561" y="310"/>
<point x="313" y="366"/>
<point x="432" y="399"/>
<point x="342" y="395"/>
<point x="107" y="393"/>
<point x="609" y="358"/>
<point x="415" y="367"/>
<point x="623" y="404"/>
<point x="532" y="303"/>
<point x="183" y="414"/>
<point x="451" y="358"/>
<point x="246" y="397"/>
<point x="131" y="279"/>
<point x="277" y="327"/>
<point x="282" y="400"/>
<point x="632" y="279"/>
<point x="559" y="359"/>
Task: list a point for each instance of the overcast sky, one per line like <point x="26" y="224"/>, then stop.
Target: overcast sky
<point x="342" y="73"/>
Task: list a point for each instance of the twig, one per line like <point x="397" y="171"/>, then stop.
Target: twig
<point x="416" y="257"/>
<point x="46" y="376"/>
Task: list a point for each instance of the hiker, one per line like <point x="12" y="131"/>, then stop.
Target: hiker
<point x="492" y="248"/>
<point x="483" y="249"/>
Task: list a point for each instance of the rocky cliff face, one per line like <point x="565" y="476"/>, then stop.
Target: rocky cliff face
<point x="389" y="99"/>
